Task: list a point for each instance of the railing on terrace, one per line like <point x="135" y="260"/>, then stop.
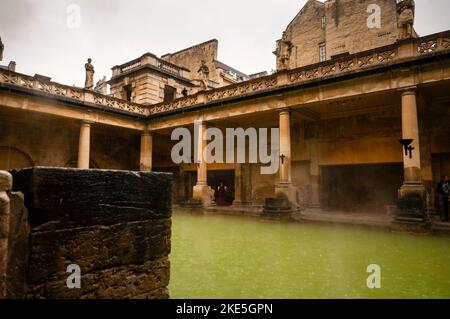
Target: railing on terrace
<point x="352" y="63"/>
<point x="149" y="59"/>
<point x="77" y="95"/>
<point x="130" y="66"/>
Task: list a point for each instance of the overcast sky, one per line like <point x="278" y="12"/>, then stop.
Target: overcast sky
<point x="36" y="34"/>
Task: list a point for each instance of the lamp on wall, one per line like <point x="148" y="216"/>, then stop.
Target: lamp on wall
<point x="407" y="146"/>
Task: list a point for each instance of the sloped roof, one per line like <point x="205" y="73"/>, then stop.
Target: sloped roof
<point x="226" y="67"/>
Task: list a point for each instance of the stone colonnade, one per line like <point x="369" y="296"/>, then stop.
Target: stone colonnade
<point x="284" y="187"/>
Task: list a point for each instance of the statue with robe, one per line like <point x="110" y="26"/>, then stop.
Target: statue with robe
<point x="2" y="47"/>
<point x="406" y="18"/>
<point x="204" y="71"/>
<point x="89" y="83"/>
<point x="284" y="51"/>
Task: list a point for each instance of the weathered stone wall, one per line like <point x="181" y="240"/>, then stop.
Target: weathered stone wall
<point x="191" y="58"/>
<point x="346" y="29"/>
<point x="306" y="34"/>
<point x="5" y="187"/>
<point x="115" y="225"/>
<point x="148" y="87"/>
<point x="350" y="32"/>
<point x="19" y="231"/>
<point x="14" y="231"/>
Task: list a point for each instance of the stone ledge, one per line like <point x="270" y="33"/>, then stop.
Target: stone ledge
<point x="93" y="197"/>
<point x="145" y="281"/>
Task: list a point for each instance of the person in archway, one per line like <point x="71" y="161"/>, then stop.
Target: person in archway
<point x="444" y="191"/>
<point x="221" y="195"/>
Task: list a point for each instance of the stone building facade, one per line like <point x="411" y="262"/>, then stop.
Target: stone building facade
<point x="340" y="119"/>
<point x="323" y="30"/>
<point x="150" y="80"/>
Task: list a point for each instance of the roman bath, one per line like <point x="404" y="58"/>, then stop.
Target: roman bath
<point x="182" y="177"/>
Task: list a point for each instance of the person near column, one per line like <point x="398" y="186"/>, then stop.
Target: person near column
<point x="444" y="192"/>
<point x="221" y="195"/>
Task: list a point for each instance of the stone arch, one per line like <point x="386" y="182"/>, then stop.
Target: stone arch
<point x="14" y="158"/>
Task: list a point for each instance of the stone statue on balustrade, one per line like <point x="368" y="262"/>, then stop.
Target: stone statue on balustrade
<point x="284" y="51"/>
<point x="2" y="47"/>
<point x="204" y="72"/>
<point x="406" y="12"/>
<point x="89" y="83"/>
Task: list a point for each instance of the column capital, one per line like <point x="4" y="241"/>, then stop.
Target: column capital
<point x="146" y="133"/>
<point x="86" y="122"/>
<point x="285" y="110"/>
<point x="201" y="122"/>
<point x="411" y="90"/>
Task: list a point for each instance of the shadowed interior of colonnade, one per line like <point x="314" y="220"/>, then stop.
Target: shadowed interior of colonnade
<point x="32" y="139"/>
<point x="345" y="155"/>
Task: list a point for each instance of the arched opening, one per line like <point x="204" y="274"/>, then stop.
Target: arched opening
<point x="13" y="158"/>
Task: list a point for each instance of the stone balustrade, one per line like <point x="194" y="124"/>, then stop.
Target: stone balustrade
<point x="404" y="49"/>
<point x="151" y="60"/>
<point x="71" y="93"/>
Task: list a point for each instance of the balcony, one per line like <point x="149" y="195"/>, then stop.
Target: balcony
<point x="150" y="60"/>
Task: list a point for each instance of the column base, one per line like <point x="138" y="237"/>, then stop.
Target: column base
<point x="411" y="204"/>
<point x="283" y="204"/>
<point x="286" y="190"/>
<point x="203" y="194"/>
<point x="316" y="208"/>
<point x="241" y="203"/>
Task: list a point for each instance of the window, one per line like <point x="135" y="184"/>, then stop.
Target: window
<point x="324" y="22"/>
<point x="169" y="93"/>
<point x="128" y="92"/>
<point x="323" y="52"/>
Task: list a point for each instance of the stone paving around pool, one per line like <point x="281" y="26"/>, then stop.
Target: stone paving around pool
<point x="373" y="220"/>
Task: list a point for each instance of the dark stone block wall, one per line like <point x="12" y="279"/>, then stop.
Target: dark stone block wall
<point x="19" y="231"/>
<point x="116" y="225"/>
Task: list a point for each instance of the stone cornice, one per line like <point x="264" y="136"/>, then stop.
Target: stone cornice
<point x="403" y="54"/>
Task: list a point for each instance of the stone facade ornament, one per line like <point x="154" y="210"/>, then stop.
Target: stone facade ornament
<point x="101" y="86"/>
<point x="2" y="47"/>
<point x="204" y="71"/>
<point x="406" y="12"/>
<point x="284" y="51"/>
<point x="89" y="83"/>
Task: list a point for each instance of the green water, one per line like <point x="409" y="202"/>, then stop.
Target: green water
<point x="223" y="257"/>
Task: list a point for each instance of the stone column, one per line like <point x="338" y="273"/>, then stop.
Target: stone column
<point x="5" y="187"/>
<point x="146" y="152"/>
<point x="410" y="128"/>
<point x="314" y="176"/>
<point x="284" y="187"/>
<point x="412" y="195"/>
<point x="84" y="145"/>
<point x="181" y="184"/>
<point x="243" y="187"/>
<point x="202" y="192"/>
<point x="285" y="147"/>
<point x="237" y="184"/>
